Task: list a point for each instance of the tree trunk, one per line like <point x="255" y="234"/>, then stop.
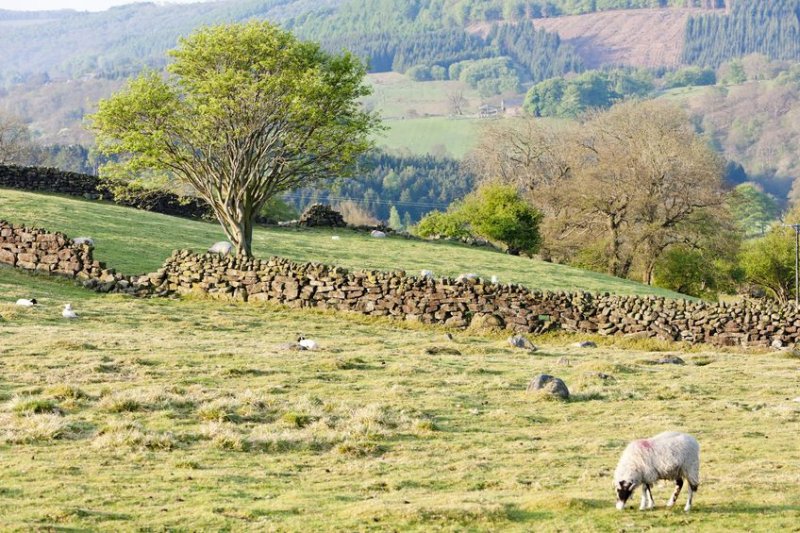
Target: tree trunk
<point x="242" y="238"/>
<point x="238" y="227"/>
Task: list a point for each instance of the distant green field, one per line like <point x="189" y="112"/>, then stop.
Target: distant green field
<point x="135" y="242"/>
<point x="431" y="134"/>
<point x="395" y="96"/>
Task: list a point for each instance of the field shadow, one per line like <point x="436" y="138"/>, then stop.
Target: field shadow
<point x="745" y="508"/>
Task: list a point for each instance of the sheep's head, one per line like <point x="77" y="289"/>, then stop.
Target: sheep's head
<point x="624" y="490"/>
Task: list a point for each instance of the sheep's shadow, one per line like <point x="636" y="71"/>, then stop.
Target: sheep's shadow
<point x="743" y="508"/>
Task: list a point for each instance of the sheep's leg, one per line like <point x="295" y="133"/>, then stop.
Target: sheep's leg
<point x="650" y="496"/>
<point x="647" y="498"/>
<point x="678" y="487"/>
<point x="692" y="490"/>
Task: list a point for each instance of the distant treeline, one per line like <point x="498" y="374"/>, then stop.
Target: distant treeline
<point x="396" y="35"/>
<point x="414" y="185"/>
<point x="771" y="28"/>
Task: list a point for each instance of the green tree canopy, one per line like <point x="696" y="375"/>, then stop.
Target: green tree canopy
<point x="245" y="112"/>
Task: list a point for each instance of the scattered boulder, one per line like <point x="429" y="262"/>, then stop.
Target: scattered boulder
<point x="777" y="344"/>
<point x="670" y="360"/>
<point x="486" y="322"/>
<point x="377" y="234"/>
<point x="518" y="341"/>
<point x="585" y="344"/>
<point x="441" y="350"/>
<point x="83" y="240"/>
<point x="221" y="247"/>
<point x="320" y="215"/>
<point x="547" y="384"/>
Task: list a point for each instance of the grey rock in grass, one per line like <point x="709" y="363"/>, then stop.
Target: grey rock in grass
<point x="777" y="344"/>
<point x="585" y="344"/>
<point x="670" y="360"/>
<point x="486" y="322"/>
<point x="548" y="384"/>
<point x="518" y="341"/>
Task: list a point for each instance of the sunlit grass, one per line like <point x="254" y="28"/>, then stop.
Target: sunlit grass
<point x="189" y="415"/>
<point x="136" y="242"/>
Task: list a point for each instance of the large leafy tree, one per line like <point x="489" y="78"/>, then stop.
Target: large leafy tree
<point x="635" y="180"/>
<point x="244" y="112"/>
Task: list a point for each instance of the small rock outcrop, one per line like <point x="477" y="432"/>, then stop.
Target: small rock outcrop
<point x="547" y="384"/>
<point x="518" y="341"/>
<point x="322" y="216"/>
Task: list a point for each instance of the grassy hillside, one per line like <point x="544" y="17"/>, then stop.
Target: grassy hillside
<point x="136" y="242"/>
<point x="431" y="135"/>
<point x="187" y="415"/>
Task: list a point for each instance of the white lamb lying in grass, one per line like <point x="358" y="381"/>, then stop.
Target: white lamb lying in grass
<point x="68" y="312"/>
<point x="669" y="455"/>
<point x="221" y="247"/>
<point x="24" y="302"/>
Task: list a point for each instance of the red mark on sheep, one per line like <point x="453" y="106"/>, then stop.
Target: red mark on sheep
<point x="645" y="443"/>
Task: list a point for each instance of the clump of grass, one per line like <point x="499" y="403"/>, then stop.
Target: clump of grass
<point x="118" y="404"/>
<point x="219" y="410"/>
<point x="33" y="428"/>
<point x="144" y="399"/>
<point x="66" y="392"/>
<point x="36" y="406"/>
<point x="296" y="420"/>
<point x="224" y="437"/>
<point x="133" y="435"/>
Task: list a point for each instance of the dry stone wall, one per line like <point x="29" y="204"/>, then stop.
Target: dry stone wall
<point x="459" y="303"/>
<point x="73" y="184"/>
<point x="54" y="253"/>
<point x="394" y="294"/>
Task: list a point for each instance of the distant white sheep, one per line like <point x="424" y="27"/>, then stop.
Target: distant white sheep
<point x="68" y="312"/>
<point x="468" y="276"/>
<point x="378" y="234"/>
<point x="24" y="302"/>
<point x="669" y="455"/>
<point x="335" y="238"/>
<point x="495" y="281"/>
<point x="83" y="240"/>
<point x="307" y="344"/>
<point x="426" y="274"/>
<point x="221" y="247"/>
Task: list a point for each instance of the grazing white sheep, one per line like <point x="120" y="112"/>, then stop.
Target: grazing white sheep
<point x="307" y="344"/>
<point x="378" y="234"/>
<point x="495" y="281"/>
<point x="425" y="274"/>
<point x="221" y="247"/>
<point x="669" y="455"/>
<point x="335" y="238"/>
<point x="468" y="276"/>
<point x="24" y="302"/>
<point x="83" y="240"/>
<point x="68" y="312"/>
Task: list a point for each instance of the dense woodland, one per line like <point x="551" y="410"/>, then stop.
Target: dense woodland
<point x="769" y="27"/>
<point x="414" y="185"/>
